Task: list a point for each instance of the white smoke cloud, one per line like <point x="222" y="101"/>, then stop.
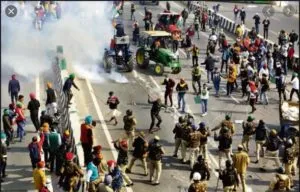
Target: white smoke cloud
<point x="84" y="30"/>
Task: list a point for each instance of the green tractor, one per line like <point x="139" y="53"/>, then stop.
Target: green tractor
<point x="163" y="56"/>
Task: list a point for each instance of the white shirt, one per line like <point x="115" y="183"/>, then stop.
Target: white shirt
<point x="271" y="63"/>
<point x="206" y="96"/>
<point x="263" y="71"/>
<point x="295" y="83"/>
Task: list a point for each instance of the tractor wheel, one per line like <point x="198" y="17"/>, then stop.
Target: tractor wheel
<point x="141" y="59"/>
<point x="129" y="65"/>
<point x="107" y="62"/>
<point x="159" y="69"/>
<point x="176" y="70"/>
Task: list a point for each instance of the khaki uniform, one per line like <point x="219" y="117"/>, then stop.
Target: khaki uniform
<point x="185" y="143"/>
<point x="129" y="127"/>
<point x="227" y="123"/>
<point x="247" y="136"/>
<point x="126" y="178"/>
<point x="240" y="162"/>
<point x="70" y="173"/>
<point x="203" y="144"/>
<point x="289" y="162"/>
<point x="155" y="165"/>
<point x="280" y="183"/>
<point x="228" y="188"/>
<point x="198" y="186"/>
<point x="194" y="147"/>
<point x="259" y="146"/>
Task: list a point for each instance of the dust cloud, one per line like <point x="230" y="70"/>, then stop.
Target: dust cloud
<point x="84" y="30"/>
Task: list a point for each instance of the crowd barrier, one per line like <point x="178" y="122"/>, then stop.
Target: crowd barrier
<point x="229" y="25"/>
<point x="61" y="74"/>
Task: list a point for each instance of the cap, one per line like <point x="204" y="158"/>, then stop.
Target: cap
<point x="108" y="179"/>
<point x="32" y="95"/>
<point x="97" y="148"/>
<point x="273" y="132"/>
<point x="202" y="125"/>
<point x="240" y="146"/>
<point x="41" y="164"/>
<point x="196" y="176"/>
<point x="69" y="156"/>
<point x="200" y="158"/>
<point x="49" y="85"/>
<point x="111" y="163"/>
<point x="194" y="127"/>
<point x="156" y="138"/>
<point x="72" y="76"/>
<point x="124" y="144"/>
<point x="250" y="118"/>
<point x="3" y="135"/>
<point x="88" y="119"/>
<point x="227" y="117"/>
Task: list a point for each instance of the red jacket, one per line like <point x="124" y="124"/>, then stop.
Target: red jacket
<point x="86" y="134"/>
<point x="20" y="114"/>
<point x="291" y="52"/>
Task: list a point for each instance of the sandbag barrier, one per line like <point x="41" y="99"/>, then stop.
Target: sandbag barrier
<point x="230" y="26"/>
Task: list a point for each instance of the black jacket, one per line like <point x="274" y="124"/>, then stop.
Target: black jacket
<point x="177" y="130"/>
<point x="122" y="156"/>
<point x="6" y="123"/>
<point x="156" y="106"/>
<point x="33" y="107"/>
<point x="51" y="97"/>
<point x="139" y="147"/>
<point x="209" y="63"/>
<point x="226" y="177"/>
<point x="260" y="133"/>
<point x="202" y="168"/>
<point x="256" y="19"/>
<point x="224" y="142"/>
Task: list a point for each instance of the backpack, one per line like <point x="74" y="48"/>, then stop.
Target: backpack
<point x="229" y="177"/>
<point x="34" y="151"/>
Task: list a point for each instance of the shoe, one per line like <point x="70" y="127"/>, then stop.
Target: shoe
<point x="255" y="162"/>
<point x="183" y="162"/>
<point x="127" y="170"/>
<point x="175" y="155"/>
<point x="262" y="169"/>
<point x="155" y="183"/>
<point x="128" y="185"/>
<point x="203" y="114"/>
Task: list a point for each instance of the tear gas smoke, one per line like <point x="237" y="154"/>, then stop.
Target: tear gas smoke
<point x="84" y="30"/>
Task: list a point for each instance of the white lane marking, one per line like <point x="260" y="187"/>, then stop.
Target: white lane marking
<point x="103" y="124"/>
<point x="233" y="98"/>
<point x="141" y="13"/>
<point x="37" y="85"/>
<point x="183" y="53"/>
<point x="101" y="118"/>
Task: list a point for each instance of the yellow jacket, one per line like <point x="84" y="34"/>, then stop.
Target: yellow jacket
<point x="39" y="178"/>
<point x="231" y="77"/>
<point x="241" y="161"/>
<point x="239" y="31"/>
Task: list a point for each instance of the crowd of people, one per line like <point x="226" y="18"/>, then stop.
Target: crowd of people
<point x="250" y="58"/>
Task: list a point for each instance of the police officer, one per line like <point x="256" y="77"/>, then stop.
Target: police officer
<point x="204" y="131"/>
<point x="122" y="161"/>
<point x="225" y="141"/>
<point x="201" y="167"/>
<point x="280" y="183"/>
<point x="129" y="126"/>
<point x="248" y="131"/>
<point x="229" y="177"/>
<point x="289" y="158"/>
<point x="196" y="78"/>
<point x="260" y="139"/>
<point x="185" y="141"/>
<point x="178" y="137"/>
<point x="240" y="163"/>
<point x="226" y="123"/>
<point x="155" y="155"/>
<point x="198" y="185"/>
<point x="195" y="136"/>
<point x="140" y="152"/>
<point x="69" y="173"/>
<point x="272" y="151"/>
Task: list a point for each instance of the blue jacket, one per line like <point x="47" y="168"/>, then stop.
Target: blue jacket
<point x="13" y="86"/>
<point x="94" y="169"/>
<point x="117" y="179"/>
<point x="68" y="84"/>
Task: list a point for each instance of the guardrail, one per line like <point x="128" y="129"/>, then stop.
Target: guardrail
<point x="61" y="74"/>
<point x="230" y="26"/>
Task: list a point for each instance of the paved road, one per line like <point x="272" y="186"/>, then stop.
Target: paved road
<point x="278" y="21"/>
<point x="175" y="175"/>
